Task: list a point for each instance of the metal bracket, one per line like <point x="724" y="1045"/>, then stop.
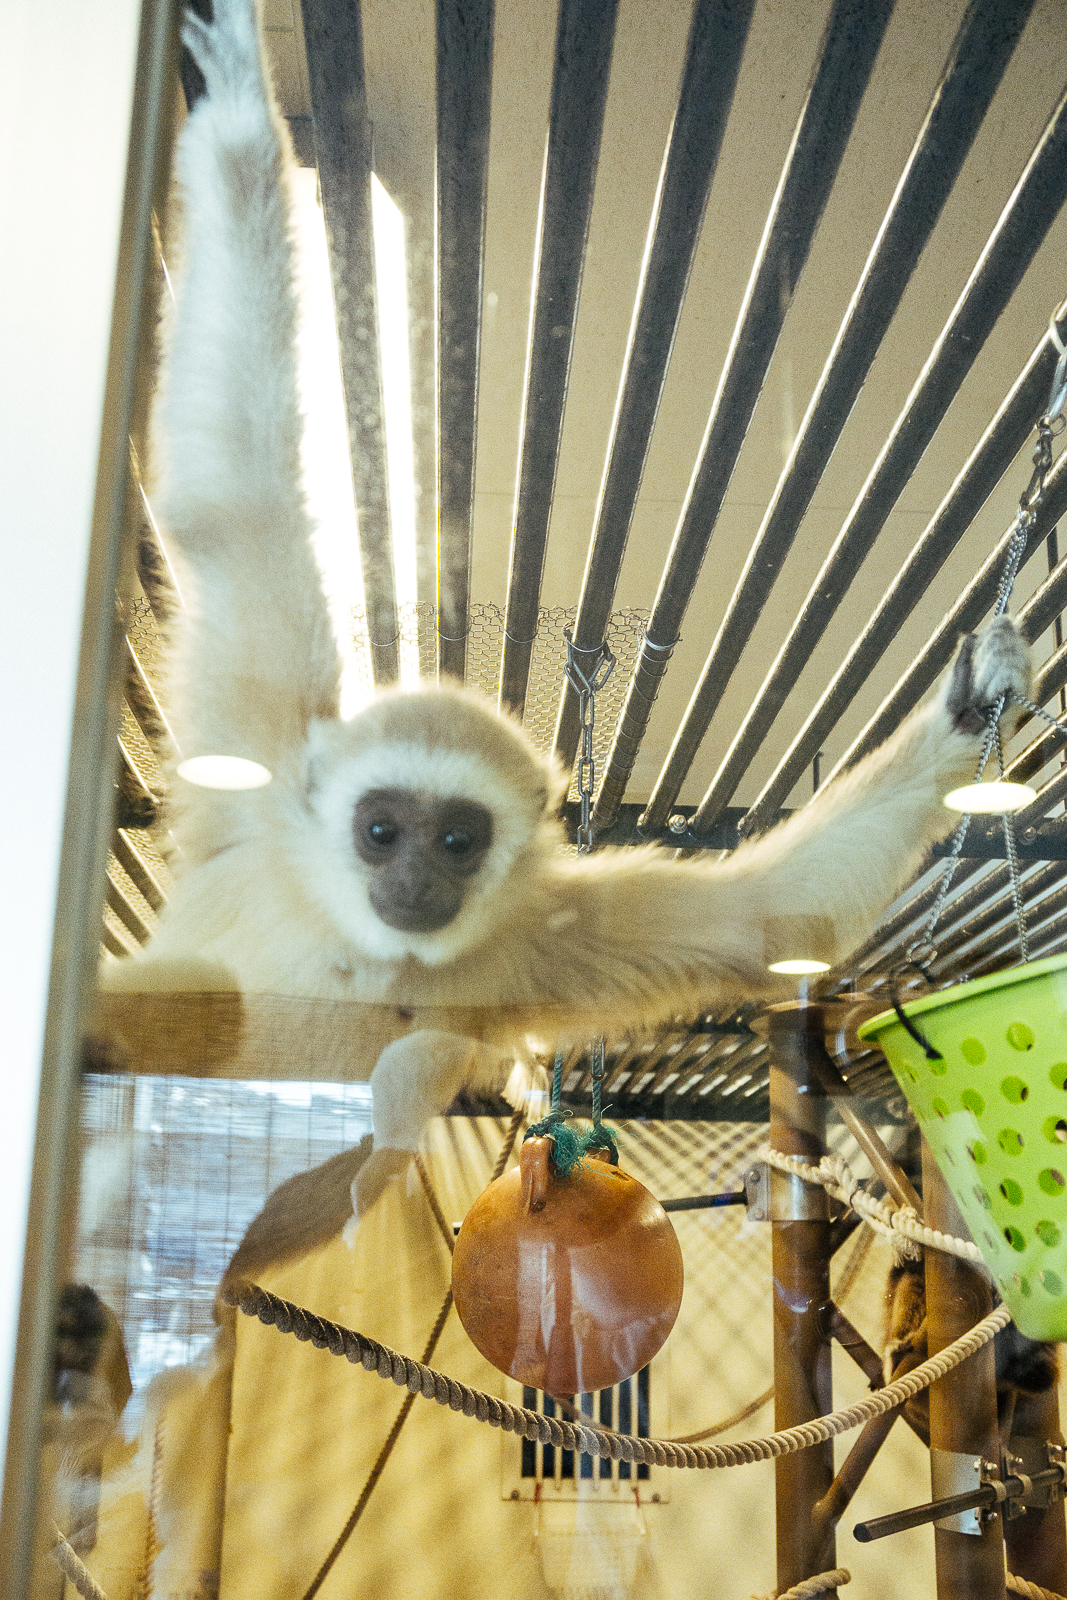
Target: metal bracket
<point x="956" y="1472"/>
<point x="782" y="1197"/>
<point x="758" y="1192"/>
<point x="1027" y="1456"/>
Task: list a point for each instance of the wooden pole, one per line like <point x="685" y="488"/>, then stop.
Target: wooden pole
<point x="800" y="1256"/>
<point x="1037" y="1542"/>
<point x="963" y="1404"/>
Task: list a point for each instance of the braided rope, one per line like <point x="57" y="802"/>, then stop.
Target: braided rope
<point x="836" y="1177"/>
<point x="1028" y="1590"/>
<point x="73" y="1567"/>
<point x="419" y="1379"/>
<point x="808" y="1588"/>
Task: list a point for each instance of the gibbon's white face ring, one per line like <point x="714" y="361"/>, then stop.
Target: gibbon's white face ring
<point x="224" y="772"/>
<point x="987" y="799"/>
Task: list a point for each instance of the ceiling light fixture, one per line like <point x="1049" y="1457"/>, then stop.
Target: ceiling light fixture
<point x="989" y="798"/>
<point x="224" y="772"/>
<point x="802" y="967"/>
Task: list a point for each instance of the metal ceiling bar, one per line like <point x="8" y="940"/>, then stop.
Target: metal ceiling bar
<point x="333" y="31"/>
<point x="1001" y="442"/>
<point x="974" y="938"/>
<point x="717" y="37"/>
<point x="464" y="85"/>
<point x="889" y="943"/>
<point x="847" y="53"/>
<point x="1033" y="618"/>
<point x="969" y="610"/>
<point x="125" y="912"/>
<point x="138" y="870"/>
<point x="584" y="38"/>
<point x="981" y="51"/>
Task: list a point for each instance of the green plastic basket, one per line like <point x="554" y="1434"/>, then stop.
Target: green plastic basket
<point x="994" y="1111"/>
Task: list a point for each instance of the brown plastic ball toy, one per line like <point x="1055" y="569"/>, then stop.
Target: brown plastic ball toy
<point x="568" y="1284"/>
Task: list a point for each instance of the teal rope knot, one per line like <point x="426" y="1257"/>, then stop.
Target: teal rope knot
<point x="571" y="1145"/>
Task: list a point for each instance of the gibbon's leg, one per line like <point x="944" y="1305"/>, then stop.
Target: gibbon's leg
<point x="645" y="924"/>
<point x="255" y="654"/>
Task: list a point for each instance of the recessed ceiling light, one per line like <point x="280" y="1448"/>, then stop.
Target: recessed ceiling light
<point x="987" y="798"/>
<point x="224" y="772"/>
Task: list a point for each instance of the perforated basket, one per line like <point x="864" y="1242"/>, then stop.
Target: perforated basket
<point x="994" y="1110"/>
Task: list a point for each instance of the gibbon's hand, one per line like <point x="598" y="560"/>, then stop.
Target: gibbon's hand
<point x="988" y="664"/>
<point x="227" y="51"/>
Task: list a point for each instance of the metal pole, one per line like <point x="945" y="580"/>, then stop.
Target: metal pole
<point x="800" y="1262"/>
<point x="963" y="1404"/>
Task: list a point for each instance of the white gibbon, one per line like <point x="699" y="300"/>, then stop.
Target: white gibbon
<point x="410" y="858"/>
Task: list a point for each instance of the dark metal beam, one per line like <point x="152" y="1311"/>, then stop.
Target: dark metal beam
<point x="846" y="57"/>
<point x="464" y="84"/>
<point x="980" y="53"/>
<point x="584" y="38"/>
<point x="333" y="32"/>
<point x="713" y="58"/>
<point x="1002" y="440"/>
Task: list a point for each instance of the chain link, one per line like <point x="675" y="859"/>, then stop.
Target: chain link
<point x="1050" y="425"/>
<point x="586" y="686"/>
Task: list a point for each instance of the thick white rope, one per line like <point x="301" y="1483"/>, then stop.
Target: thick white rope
<point x="407" y="1373"/>
<point x="900" y="1224"/>
<point x="808" y="1588"/>
<point x="73" y="1567"/>
<point x="1028" y="1590"/>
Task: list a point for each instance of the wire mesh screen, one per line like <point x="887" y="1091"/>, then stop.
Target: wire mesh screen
<point x="175" y="1169"/>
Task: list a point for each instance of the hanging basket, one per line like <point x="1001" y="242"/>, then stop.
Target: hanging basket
<point x="994" y="1112"/>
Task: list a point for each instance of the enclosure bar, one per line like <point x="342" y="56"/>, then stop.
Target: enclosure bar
<point x="846" y="58"/>
<point x="131" y="921"/>
<point x="1002" y="440"/>
<point x="333" y="32"/>
<point x="888" y="944"/>
<point x="870" y="1141"/>
<point x="980" y="53"/>
<point x="963" y="1404"/>
<point x="1037" y="1542"/>
<point x="713" y="58"/>
<point x="829" y="1511"/>
<point x="136" y="867"/>
<point x="584" y="39"/>
<point x="800" y="1267"/>
<point x="464" y="87"/>
<point x="948" y="1506"/>
<point x="966" y="615"/>
<point x="1015" y="240"/>
<point x="146" y="709"/>
<point x="702" y="1202"/>
<point x="997" y="921"/>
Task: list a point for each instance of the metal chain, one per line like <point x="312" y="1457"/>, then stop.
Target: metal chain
<point x="1050" y="425"/>
<point x="586" y="686"/>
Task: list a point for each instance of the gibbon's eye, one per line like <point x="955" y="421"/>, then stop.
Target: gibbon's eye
<point x="457" y="842"/>
<point x="383" y="833"/>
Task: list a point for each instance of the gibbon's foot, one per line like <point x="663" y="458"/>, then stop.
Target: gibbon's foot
<point x="374" y="1174"/>
<point x="988" y="664"/>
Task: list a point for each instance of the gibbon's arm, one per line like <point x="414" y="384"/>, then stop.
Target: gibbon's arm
<point x="255" y="654"/>
<point x="676" y="932"/>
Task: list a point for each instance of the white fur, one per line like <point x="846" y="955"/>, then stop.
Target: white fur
<point x="273" y="897"/>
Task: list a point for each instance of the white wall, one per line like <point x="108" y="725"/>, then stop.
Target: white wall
<point x="66" y="83"/>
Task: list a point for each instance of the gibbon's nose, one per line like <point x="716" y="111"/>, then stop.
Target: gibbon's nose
<point x="416" y="902"/>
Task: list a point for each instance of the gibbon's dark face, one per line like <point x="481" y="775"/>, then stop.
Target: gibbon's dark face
<point x="421" y="853"/>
